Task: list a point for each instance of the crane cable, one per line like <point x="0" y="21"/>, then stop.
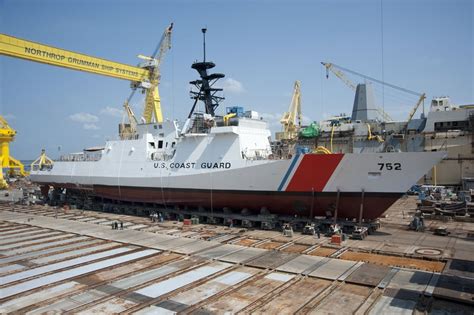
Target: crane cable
<point x="383" y="72"/>
<point x="332" y="135"/>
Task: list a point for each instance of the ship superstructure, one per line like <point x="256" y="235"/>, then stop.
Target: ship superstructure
<point x="445" y="127"/>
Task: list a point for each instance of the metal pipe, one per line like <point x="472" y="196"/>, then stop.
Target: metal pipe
<point x="204" y="42"/>
<point x="361" y="212"/>
<point x="337" y="206"/>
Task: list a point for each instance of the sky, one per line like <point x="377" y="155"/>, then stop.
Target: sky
<point x="261" y="46"/>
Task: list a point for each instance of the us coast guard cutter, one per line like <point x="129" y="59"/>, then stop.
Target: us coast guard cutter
<point x="220" y="162"/>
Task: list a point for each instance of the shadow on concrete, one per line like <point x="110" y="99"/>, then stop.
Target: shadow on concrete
<point x="379" y="233"/>
<point x="460" y="267"/>
<point x="455" y="288"/>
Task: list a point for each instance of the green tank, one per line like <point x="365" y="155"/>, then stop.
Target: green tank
<point x="312" y="131"/>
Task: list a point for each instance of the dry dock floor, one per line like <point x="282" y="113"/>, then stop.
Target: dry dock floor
<point x="71" y="261"/>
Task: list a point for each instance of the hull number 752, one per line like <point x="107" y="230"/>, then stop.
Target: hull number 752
<point x="390" y="166"/>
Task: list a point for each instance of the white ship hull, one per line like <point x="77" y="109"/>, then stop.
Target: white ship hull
<point x="301" y="185"/>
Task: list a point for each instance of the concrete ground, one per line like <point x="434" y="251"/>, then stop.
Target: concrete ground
<point x="73" y="261"/>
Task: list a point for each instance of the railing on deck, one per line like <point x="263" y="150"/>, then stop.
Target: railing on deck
<point x="81" y="157"/>
<point x="257" y="154"/>
<point x="162" y="156"/>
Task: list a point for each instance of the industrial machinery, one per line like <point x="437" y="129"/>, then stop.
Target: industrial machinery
<point x="441" y="231"/>
<point x="145" y="77"/>
<point x="337" y="70"/>
<point x="370" y="136"/>
<point x="128" y="130"/>
<point x="309" y="229"/>
<point x="414" y="109"/>
<point x="42" y="162"/>
<point x="7" y="162"/>
<point x="360" y="232"/>
<point x="289" y="119"/>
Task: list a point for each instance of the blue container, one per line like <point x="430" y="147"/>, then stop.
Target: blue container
<point x="302" y="150"/>
<point x="238" y="110"/>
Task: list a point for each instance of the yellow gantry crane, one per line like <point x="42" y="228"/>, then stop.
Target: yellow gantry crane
<point x="290" y="118"/>
<point x="8" y="162"/>
<point x="146" y="76"/>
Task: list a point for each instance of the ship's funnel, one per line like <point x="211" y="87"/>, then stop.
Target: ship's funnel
<point x="364" y="104"/>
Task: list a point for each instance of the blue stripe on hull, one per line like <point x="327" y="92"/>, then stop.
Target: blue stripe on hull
<point x="290" y="169"/>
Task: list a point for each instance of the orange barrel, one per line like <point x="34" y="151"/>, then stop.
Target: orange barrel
<point x="336" y="239"/>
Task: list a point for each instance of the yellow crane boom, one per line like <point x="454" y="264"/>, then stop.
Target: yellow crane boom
<point x="288" y="120"/>
<point x="339" y="74"/>
<point x="20" y="48"/>
<point x="145" y="77"/>
<point x="415" y="108"/>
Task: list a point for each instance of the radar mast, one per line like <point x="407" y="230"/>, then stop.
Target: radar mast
<point x="204" y="86"/>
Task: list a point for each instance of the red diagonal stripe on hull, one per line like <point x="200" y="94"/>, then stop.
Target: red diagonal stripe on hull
<point x="314" y="172"/>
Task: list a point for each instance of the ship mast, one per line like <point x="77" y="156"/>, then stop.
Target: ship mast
<point x="206" y="92"/>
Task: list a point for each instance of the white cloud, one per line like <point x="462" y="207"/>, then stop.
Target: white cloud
<point x="89" y="126"/>
<point x="84" y="118"/>
<point x="233" y="86"/>
<point x="88" y="120"/>
<point x="271" y="116"/>
<point x="273" y="119"/>
<point x="112" y="111"/>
